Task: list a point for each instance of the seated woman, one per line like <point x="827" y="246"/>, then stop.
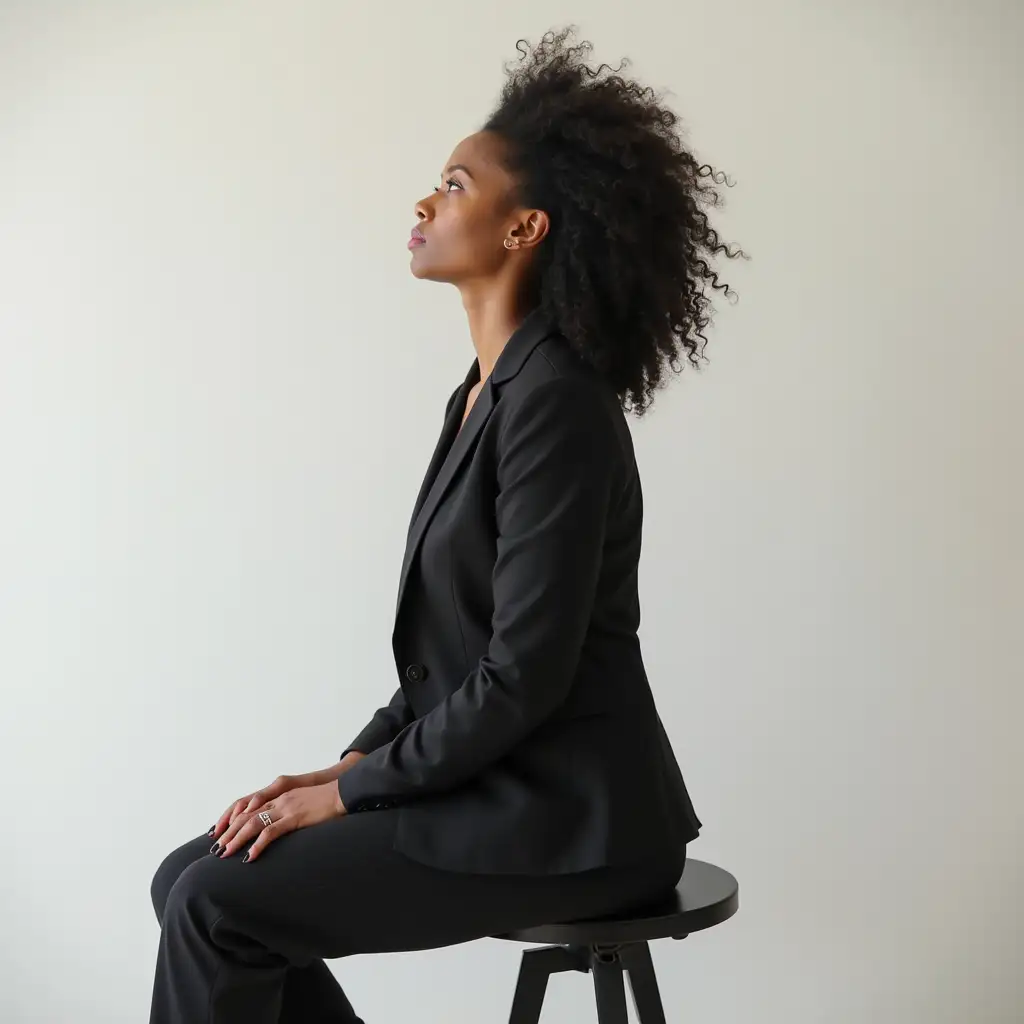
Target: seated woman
<point x="520" y="773"/>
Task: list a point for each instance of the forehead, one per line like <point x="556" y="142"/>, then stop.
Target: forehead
<point x="482" y="154"/>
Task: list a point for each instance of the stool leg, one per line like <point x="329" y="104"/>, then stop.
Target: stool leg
<point x="609" y="991"/>
<point x="643" y="983"/>
<point x="531" y="985"/>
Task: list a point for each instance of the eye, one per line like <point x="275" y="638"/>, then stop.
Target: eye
<point x="452" y="182"/>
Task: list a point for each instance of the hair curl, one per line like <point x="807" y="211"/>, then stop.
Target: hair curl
<point x="626" y="270"/>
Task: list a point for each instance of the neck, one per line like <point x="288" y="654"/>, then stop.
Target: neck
<point x="493" y="319"/>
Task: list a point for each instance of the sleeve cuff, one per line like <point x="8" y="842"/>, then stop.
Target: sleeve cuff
<point x="367" y="741"/>
<point x="352" y="788"/>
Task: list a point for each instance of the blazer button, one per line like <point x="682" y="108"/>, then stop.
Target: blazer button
<point x="416" y="673"/>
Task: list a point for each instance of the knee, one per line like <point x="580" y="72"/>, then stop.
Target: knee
<point x="170" y="870"/>
<point x="196" y="898"/>
<point x="159" y="889"/>
<point x="176" y="896"/>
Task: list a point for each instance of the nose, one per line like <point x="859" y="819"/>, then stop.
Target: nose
<point x="423" y="211"/>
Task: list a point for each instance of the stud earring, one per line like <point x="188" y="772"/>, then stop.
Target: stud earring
<point x="511" y="243"/>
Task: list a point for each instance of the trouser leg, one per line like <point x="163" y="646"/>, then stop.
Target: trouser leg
<point x="311" y="994"/>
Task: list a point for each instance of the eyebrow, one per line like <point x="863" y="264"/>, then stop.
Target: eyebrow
<point x="459" y="167"/>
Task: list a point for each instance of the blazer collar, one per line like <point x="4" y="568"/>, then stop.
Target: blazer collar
<point x="536" y="326"/>
<point x="455" y="445"/>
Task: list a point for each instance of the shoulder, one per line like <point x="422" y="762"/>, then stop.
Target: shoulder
<point x="554" y="360"/>
<point x="556" y="390"/>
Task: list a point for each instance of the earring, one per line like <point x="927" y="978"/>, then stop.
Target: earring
<point x="511" y="243"/>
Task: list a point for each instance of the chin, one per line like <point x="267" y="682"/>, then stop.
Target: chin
<point x="421" y="269"/>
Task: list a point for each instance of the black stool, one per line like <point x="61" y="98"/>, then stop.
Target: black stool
<point x="705" y="896"/>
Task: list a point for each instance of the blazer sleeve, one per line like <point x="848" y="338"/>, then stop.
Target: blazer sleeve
<point x="388" y="721"/>
<point x="386" y="724"/>
<point x="557" y="467"/>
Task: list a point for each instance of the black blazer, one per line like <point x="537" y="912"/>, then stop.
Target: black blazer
<point x="523" y="736"/>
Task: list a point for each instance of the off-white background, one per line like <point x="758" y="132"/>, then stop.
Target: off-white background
<point x="220" y="385"/>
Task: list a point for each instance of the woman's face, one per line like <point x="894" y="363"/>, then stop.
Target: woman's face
<point x="467" y="217"/>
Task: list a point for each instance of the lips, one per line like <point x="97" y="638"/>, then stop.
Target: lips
<point x="416" y="238"/>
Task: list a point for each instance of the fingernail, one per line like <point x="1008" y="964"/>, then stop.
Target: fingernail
<point x="215" y="848"/>
<point x="210" y="830"/>
<point x="245" y="858"/>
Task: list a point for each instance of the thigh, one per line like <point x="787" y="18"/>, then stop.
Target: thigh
<point x="339" y="888"/>
<point x="172" y="866"/>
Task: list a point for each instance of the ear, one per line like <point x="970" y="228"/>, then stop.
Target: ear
<point x="532" y="228"/>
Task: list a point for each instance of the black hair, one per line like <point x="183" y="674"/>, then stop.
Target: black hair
<point x="626" y="268"/>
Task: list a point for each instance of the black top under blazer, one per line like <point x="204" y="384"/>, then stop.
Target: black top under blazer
<point x="523" y="736"/>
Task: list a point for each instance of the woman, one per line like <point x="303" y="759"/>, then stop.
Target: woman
<point x="520" y="773"/>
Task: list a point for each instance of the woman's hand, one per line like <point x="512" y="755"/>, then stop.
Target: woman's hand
<point x="281" y="785"/>
<point x="296" y="808"/>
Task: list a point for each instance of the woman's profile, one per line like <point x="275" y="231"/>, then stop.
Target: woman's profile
<point x="520" y="773"/>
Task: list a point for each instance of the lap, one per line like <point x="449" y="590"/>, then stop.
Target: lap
<point x="339" y="888"/>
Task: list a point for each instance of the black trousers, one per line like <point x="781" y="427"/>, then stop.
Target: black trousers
<point x="246" y="943"/>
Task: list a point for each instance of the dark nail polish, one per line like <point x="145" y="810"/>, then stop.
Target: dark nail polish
<point x="245" y="858"/>
<point x="215" y="848"/>
<point x="211" y="830"/>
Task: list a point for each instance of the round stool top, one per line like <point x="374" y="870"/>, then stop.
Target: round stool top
<point x="705" y="896"/>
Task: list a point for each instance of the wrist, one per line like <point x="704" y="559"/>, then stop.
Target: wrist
<point x="351" y="758"/>
<point x="339" y="767"/>
<point x="339" y="805"/>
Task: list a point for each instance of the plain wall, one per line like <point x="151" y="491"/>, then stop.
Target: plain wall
<point x="220" y="386"/>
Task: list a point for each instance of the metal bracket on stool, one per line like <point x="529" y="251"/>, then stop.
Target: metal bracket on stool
<point x="606" y="962"/>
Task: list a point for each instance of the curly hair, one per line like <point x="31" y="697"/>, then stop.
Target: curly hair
<point x="626" y="269"/>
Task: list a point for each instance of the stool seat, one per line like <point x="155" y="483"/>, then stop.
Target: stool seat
<point x="615" y="947"/>
<point x="706" y="895"/>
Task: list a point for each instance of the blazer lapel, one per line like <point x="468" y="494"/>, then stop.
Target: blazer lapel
<point x="459" y="451"/>
<point x="444" y="442"/>
<point x="455" y="445"/>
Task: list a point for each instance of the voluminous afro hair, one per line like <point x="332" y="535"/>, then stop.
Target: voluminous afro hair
<point x="626" y="269"/>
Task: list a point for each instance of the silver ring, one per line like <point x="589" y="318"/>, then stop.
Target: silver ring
<point x="265" y="817"/>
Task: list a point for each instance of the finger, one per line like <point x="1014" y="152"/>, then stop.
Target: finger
<point x="241" y="806"/>
<point x="265" y="795"/>
<point x="239" y="822"/>
<point x="280" y="785"/>
<point x="268" y="835"/>
<point x="222" y="822"/>
<point x="244" y="829"/>
<point x="225" y="820"/>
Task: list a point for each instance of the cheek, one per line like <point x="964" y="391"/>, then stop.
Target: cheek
<point x="461" y="239"/>
<point x="462" y="227"/>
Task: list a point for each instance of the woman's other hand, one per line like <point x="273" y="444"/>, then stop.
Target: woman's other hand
<point x="294" y="809"/>
<point x="281" y="785"/>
